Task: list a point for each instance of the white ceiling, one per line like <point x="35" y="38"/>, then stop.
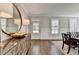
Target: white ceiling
<point x="7" y="8"/>
<point x="51" y="9"/>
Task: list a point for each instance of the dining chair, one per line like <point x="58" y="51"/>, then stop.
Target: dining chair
<point x="71" y="42"/>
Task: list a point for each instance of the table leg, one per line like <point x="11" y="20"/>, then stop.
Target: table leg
<point x="78" y="50"/>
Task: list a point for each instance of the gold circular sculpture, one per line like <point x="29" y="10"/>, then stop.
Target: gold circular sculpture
<point x="20" y="24"/>
<point x="14" y="35"/>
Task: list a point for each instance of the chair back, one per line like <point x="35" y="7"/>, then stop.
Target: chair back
<point x="65" y="37"/>
<point x="73" y="34"/>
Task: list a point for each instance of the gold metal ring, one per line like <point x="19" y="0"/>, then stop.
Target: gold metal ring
<point x="20" y="21"/>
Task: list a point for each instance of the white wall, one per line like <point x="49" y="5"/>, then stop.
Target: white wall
<point x="45" y="28"/>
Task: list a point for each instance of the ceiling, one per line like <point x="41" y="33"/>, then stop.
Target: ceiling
<point x="9" y="9"/>
<point x="6" y="8"/>
<point x="51" y="9"/>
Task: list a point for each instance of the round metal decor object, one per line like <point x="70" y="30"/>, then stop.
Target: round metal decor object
<point x="20" y="19"/>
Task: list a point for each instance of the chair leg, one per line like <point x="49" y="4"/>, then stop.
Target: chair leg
<point x="63" y="46"/>
<point x="68" y="50"/>
<point x="78" y="50"/>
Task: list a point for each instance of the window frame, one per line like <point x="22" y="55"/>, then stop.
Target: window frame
<point x="3" y="24"/>
<point x="38" y="28"/>
<point x="73" y="22"/>
<point x="57" y="26"/>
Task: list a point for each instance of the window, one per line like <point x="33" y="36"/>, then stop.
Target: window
<point x="74" y="24"/>
<point x="3" y="24"/>
<point x="54" y="26"/>
<point x="36" y="26"/>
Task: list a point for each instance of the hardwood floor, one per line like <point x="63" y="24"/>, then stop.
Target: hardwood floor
<point x="43" y="47"/>
<point x="46" y="47"/>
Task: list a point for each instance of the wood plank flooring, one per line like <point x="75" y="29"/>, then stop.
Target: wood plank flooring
<point x="43" y="47"/>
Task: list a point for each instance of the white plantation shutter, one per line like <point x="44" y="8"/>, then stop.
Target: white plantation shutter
<point x="74" y="25"/>
<point x="55" y="26"/>
<point x="35" y="26"/>
<point x="3" y="24"/>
